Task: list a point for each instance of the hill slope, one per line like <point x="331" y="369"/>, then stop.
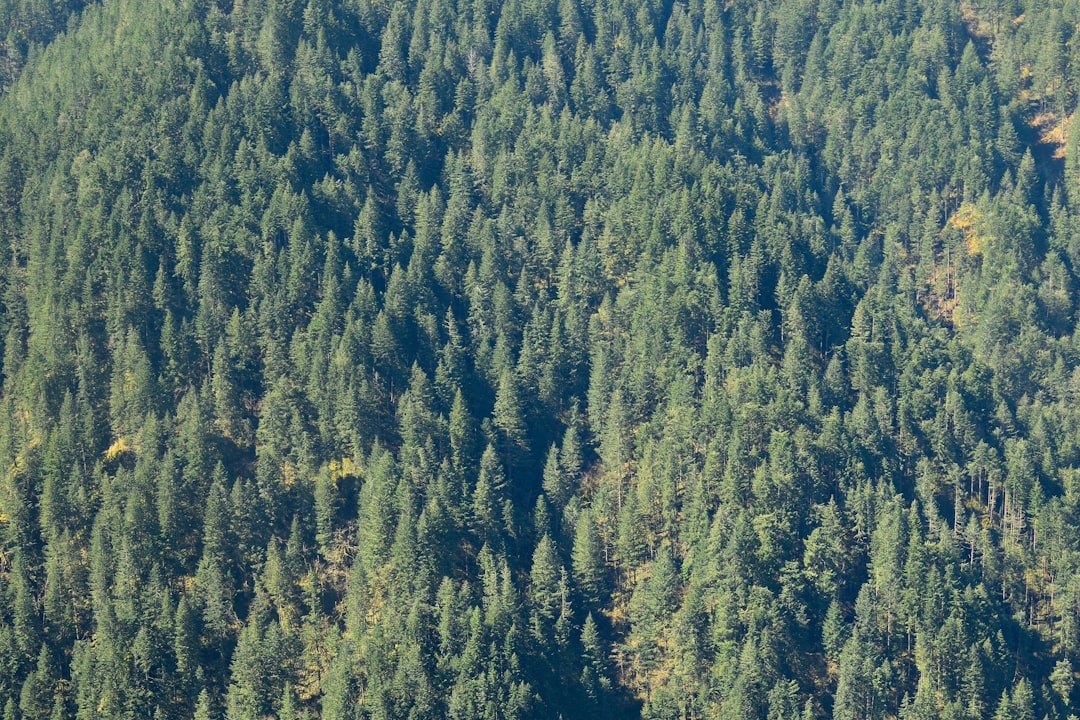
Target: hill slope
<point x="524" y="359"/>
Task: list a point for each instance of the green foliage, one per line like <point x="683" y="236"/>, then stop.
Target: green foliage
<point x="580" y="359"/>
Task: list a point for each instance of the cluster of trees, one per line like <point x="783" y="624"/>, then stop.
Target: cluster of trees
<point x="527" y="358"/>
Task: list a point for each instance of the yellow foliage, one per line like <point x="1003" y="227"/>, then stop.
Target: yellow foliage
<point x="1053" y="132"/>
<point x="968" y="220"/>
<point x="345" y="467"/>
<point x="19" y="464"/>
<point x="117" y="449"/>
<point x="374" y="610"/>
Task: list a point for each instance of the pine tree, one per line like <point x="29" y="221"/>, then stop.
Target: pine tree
<point x="555" y="481"/>
<point x="544" y="593"/>
<point x="509" y="419"/>
<point x="588" y="561"/>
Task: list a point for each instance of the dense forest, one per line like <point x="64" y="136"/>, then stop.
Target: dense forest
<point x="380" y="359"/>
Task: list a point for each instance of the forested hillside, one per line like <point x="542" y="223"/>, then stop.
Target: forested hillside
<point x="381" y="359"/>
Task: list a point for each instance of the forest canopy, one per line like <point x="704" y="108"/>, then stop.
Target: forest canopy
<point x="373" y="359"/>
